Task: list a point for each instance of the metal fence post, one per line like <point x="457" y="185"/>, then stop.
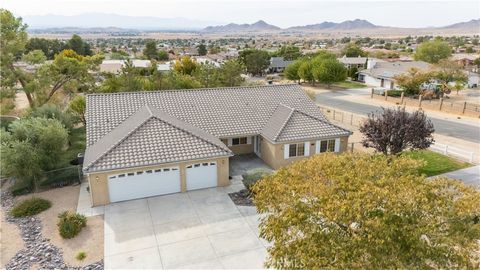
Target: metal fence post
<point x="353" y="144"/>
<point x="371" y="93"/>
<point x="402" y="95"/>
<point x="420" y="101"/>
<point x="464" y="107"/>
<point x="441" y="104"/>
<point x="351" y="119"/>
<point x="446" y="150"/>
<point x="386" y="94"/>
<point x="342" y="116"/>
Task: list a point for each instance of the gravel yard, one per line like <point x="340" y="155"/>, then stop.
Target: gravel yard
<point x="10" y="240"/>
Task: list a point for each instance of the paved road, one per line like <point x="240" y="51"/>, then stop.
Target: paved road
<point x="444" y="127"/>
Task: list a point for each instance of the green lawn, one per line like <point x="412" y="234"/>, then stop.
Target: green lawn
<point x="435" y="163"/>
<point x="350" y="84"/>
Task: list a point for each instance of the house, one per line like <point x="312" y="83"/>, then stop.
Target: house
<point x="357" y="62"/>
<point x="278" y="64"/>
<point x="473" y="79"/>
<point x="142" y="144"/>
<point x="463" y="59"/>
<point x="382" y="74"/>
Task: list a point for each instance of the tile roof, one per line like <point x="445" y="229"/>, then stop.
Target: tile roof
<point x="279" y="62"/>
<point x="222" y="112"/>
<point x="145" y="128"/>
<point x="289" y="124"/>
<point x="150" y="137"/>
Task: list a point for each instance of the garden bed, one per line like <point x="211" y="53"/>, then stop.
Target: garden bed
<point x="242" y="198"/>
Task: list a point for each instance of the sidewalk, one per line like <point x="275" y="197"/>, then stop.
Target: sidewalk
<point x="469" y="176"/>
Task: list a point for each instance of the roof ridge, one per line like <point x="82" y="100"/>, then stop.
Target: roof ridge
<point x="194" y="89"/>
<point x="189" y="131"/>
<point x="321" y="120"/>
<point x="292" y="110"/>
<point x="108" y="149"/>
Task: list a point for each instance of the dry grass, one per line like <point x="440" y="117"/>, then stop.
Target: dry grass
<point x="89" y="239"/>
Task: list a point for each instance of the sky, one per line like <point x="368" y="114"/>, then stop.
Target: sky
<point x="283" y="13"/>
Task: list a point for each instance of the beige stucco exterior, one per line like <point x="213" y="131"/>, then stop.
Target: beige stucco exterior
<point x="273" y="154"/>
<point x="240" y="149"/>
<point x="98" y="181"/>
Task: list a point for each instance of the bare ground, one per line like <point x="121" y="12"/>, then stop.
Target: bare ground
<point x="89" y="240"/>
<point x="10" y="240"/>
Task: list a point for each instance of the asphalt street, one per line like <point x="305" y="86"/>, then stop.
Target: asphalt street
<point x="444" y="127"/>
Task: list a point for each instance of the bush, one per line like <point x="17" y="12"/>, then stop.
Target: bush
<point x="394" y="93"/>
<point x="70" y="224"/>
<point x="21" y="188"/>
<point x="252" y="176"/>
<point x="81" y="255"/>
<point x="30" y="207"/>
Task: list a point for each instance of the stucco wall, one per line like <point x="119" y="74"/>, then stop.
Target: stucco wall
<point x="240" y="149"/>
<point x="98" y="182"/>
<point x="273" y="154"/>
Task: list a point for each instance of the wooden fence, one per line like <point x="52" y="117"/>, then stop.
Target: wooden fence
<point x="460" y="108"/>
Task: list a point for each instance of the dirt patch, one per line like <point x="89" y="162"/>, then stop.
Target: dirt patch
<point x="89" y="240"/>
<point x="242" y="197"/>
<point x="10" y="240"/>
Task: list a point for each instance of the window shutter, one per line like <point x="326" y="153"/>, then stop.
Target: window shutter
<point x="229" y="141"/>
<point x="307" y="149"/>
<point x="286" y="149"/>
<point x="249" y="140"/>
<point x="337" y="145"/>
<point x="317" y="147"/>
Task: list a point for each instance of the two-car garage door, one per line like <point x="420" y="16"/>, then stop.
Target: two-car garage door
<point x="147" y="183"/>
<point x="141" y="184"/>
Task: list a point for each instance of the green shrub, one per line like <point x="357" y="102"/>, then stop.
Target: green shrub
<point x="21" y="188"/>
<point x="252" y="176"/>
<point x="30" y="207"/>
<point x="70" y="224"/>
<point x="81" y="255"/>
<point x="394" y="93"/>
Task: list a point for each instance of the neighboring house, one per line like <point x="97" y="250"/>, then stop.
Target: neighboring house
<point x="350" y="62"/>
<point x="142" y="144"/>
<point x="278" y="64"/>
<point x="382" y="74"/>
<point x="473" y="79"/>
<point x="463" y="59"/>
<point x="115" y="66"/>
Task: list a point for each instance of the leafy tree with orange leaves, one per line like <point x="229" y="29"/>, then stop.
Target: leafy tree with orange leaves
<point x="358" y="211"/>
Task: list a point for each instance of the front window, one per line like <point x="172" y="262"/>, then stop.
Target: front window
<point x="239" y="141"/>
<point x="296" y="150"/>
<point x="328" y="145"/>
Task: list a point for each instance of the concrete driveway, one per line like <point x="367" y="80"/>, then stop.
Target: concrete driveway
<point x="202" y="229"/>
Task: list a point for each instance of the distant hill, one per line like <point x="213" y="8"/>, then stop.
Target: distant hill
<point x="81" y="30"/>
<point x="469" y="24"/>
<point x="346" y="25"/>
<point x="233" y="27"/>
<point x="102" y="20"/>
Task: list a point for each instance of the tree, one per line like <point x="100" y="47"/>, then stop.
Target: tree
<point x="51" y="111"/>
<point x="35" y="57"/>
<point x="150" y="51"/>
<point x="162" y="55"/>
<point x="288" y="52"/>
<point x="459" y="85"/>
<point x="207" y="74"/>
<point x="395" y="130"/>
<point x="449" y="72"/>
<point x="330" y="71"/>
<point x="33" y="145"/>
<point x="12" y="43"/>
<point x="77" y="107"/>
<point x="255" y="61"/>
<point x="433" y="51"/>
<point x="50" y="47"/>
<point x="69" y="72"/>
<point x="231" y="73"/>
<point x="81" y="47"/>
<point x="412" y="80"/>
<point x="185" y="65"/>
<point x="359" y="211"/>
<point x="353" y="50"/>
<point x="305" y="71"/>
<point x="291" y="71"/>
<point x="202" y="49"/>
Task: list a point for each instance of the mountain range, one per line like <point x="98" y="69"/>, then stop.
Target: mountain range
<point x="342" y="26"/>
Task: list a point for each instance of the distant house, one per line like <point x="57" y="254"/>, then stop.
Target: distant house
<point x="473" y="79"/>
<point x="115" y="66"/>
<point x="350" y="62"/>
<point x="381" y="74"/>
<point x="464" y="59"/>
<point x="278" y="64"/>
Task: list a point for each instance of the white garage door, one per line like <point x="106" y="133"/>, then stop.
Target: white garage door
<point x="201" y="175"/>
<point x="141" y="184"/>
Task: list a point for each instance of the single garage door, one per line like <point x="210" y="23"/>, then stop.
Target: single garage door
<point x="201" y="175"/>
<point x="141" y="184"/>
